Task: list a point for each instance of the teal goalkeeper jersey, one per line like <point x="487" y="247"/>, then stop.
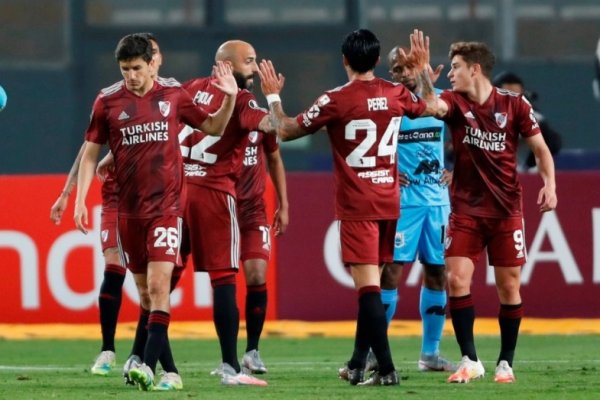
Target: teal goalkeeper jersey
<point x="421" y="157"/>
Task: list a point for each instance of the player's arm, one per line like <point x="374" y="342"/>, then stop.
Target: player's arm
<point x="547" y="199"/>
<point x="419" y="56"/>
<point x="60" y="205"/>
<point x="277" y="172"/>
<point x="105" y="165"/>
<point x="216" y="122"/>
<point x="87" y="168"/>
<point x="271" y="84"/>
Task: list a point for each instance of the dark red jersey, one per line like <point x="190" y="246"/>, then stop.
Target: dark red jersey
<point x="485" y="139"/>
<point x="252" y="180"/>
<point x="214" y="161"/>
<point x="142" y="135"/>
<point x="110" y="193"/>
<point x="363" y="120"/>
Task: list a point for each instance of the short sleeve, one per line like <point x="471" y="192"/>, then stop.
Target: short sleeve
<point x="98" y="131"/>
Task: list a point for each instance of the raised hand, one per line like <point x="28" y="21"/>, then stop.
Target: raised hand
<point x="223" y="78"/>
<point x="270" y="81"/>
<point x="418" y="56"/>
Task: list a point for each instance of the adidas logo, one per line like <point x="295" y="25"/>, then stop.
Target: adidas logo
<point x="123" y="116"/>
<point x="469" y="114"/>
<point x="170" y="252"/>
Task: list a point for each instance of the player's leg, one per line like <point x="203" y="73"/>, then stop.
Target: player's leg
<point x="366" y="245"/>
<point x="256" y="311"/>
<point x="255" y="252"/>
<point x="433" y="296"/>
<point x="463" y="245"/>
<point x="507" y="248"/>
<point x="390" y="277"/>
<point x="109" y="298"/>
<point x="509" y="318"/>
<point x="406" y="239"/>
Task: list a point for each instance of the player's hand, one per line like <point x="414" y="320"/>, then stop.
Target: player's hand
<point x="105" y="165"/>
<point x="418" y="56"/>
<point x="271" y="82"/>
<point x="446" y="178"/>
<point x="434" y="75"/>
<point x="81" y="218"/>
<point x="547" y="199"/>
<point x="58" y="208"/>
<point x="403" y="179"/>
<point x="223" y="79"/>
<point x="281" y="221"/>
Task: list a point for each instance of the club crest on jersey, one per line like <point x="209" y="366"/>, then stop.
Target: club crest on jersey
<point x="413" y="97"/>
<point x="164" y="107"/>
<point x="501" y="119"/>
<point x="253" y="136"/>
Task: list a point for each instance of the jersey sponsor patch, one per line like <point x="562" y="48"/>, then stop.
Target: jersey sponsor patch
<point x="323" y="100"/>
<point x="432" y="134"/>
<point x="254" y="105"/>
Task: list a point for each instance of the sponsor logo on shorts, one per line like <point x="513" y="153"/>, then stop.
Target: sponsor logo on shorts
<point x="104" y="235"/>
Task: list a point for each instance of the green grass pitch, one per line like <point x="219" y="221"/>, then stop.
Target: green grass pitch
<point x="547" y="367"/>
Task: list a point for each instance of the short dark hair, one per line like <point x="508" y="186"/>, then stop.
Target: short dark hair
<point x="361" y="49"/>
<point x="133" y="46"/>
<point x="148" y="35"/>
<point x="474" y="53"/>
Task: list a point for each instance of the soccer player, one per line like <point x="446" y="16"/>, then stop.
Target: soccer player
<point x="362" y="119"/>
<point x="485" y="124"/>
<point x="109" y="298"/>
<point x="139" y="118"/>
<point x="256" y="233"/>
<point x="424" y="210"/>
<point x="212" y="166"/>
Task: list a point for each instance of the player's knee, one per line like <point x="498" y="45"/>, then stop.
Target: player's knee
<point x="221" y="278"/>
<point x="390" y="276"/>
<point x="434" y="276"/>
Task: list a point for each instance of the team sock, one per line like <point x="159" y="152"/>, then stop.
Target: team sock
<point x="227" y="322"/>
<point x="509" y="319"/>
<point x="256" y="309"/>
<point x="389" y="298"/>
<point x="462" y="312"/>
<point x="109" y="303"/>
<point x="158" y="325"/>
<point x="141" y="334"/>
<point x="433" y="314"/>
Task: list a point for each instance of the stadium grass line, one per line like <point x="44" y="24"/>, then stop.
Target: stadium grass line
<point x="294" y="329"/>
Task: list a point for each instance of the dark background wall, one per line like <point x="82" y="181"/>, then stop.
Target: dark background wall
<point x="56" y="54"/>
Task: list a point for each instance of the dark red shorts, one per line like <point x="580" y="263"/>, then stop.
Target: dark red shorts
<point x="504" y="238"/>
<point x="254" y="230"/>
<point x="142" y="240"/>
<point x="367" y="242"/>
<point x="211" y="230"/>
<point x="108" y="230"/>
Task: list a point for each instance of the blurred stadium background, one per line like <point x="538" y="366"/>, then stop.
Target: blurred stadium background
<point x="56" y="54"/>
